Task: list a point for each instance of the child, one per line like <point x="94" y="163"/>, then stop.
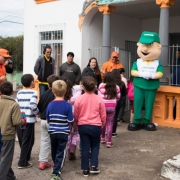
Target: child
<point x="10" y="117"/>
<point x="27" y="99"/>
<point x="122" y="72"/>
<point x="110" y="93"/>
<point x="73" y="138"/>
<point x="45" y="146"/>
<point x="70" y="96"/>
<point x="130" y="95"/>
<point x="90" y="116"/>
<point x="58" y="114"/>
<point x="121" y="103"/>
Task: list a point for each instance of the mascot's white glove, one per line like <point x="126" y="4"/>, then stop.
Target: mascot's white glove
<point x="145" y="75"/>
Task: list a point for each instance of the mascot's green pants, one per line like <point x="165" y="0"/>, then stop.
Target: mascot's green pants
<point x="143" y="96"/>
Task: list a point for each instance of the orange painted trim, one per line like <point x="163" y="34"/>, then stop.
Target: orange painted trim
<point x="43" y="1"/>
<point x="81" y="19"/>
<point x="106" y="9"/>
<point x="165" y="3"/>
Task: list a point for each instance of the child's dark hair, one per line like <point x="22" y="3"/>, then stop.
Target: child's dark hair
<point x="131" y="79"/>
<point x="68" y="93"/>
<point x="110" y="86"/>
<point x="92" y="74"/>
<point x="6" y="88"/>
<point x="89" y="73"/>
<point x="122" y="70"/>
<point x="117" y="77"/>
<point x="51" y="79"/>
<point x="26" y="80"/>
<point x="89" y="83"/>
<point x="70" y="54"/>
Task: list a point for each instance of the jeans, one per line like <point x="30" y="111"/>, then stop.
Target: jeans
<point x="122" y="107"/>
<point x="45" y="142"/>
<point x="90" y="139"/>
<point x="42" y="88"/>
<point x="58" y="150"/>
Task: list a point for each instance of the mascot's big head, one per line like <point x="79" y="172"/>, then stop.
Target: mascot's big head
<point x="149" y="47"/>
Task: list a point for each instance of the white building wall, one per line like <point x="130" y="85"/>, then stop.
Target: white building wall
<point x="63" y="13"/>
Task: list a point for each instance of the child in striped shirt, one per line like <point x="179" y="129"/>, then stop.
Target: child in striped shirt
<point x="27" y="99"/>
<point x="59" y="115"/>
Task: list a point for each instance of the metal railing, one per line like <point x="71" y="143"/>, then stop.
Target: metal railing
<point x="174" y="65"/>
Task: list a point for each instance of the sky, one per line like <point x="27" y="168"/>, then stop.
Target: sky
<point x="11" y="17"/>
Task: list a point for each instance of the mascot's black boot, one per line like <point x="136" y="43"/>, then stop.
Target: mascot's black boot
<point x="134" y="127"/>
<point x="149" y="127"/>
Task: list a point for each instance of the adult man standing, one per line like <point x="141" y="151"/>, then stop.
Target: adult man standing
<point x="113" y="63"/>
<point x="3" y="55"/>
<point x="70" y="70"/>
<point x="43" y="68"/>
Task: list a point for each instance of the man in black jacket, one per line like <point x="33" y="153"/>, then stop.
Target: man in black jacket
<point x="43" y="68"/>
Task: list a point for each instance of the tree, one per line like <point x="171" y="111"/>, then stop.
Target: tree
<point x="15" y="47"/>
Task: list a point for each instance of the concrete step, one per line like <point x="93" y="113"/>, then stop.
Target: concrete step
<point x="171" y="168"/>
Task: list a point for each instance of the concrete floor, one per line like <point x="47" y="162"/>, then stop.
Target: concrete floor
<point x="135" y="156"/>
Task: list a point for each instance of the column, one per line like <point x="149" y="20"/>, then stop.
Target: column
<point x="164" y="34"/>
<point x="106" y="38"/>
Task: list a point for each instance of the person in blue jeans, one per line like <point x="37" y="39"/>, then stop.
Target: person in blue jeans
<point x="90" y="120"/>
<point x="59" y="116"/>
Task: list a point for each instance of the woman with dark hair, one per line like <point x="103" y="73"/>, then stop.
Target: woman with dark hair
<point x="110" y="93"/>
<point x="121" y="103"/>
<point x="93" y="67"/>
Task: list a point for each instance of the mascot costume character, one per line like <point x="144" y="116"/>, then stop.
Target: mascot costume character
<point x="147" y="71"/>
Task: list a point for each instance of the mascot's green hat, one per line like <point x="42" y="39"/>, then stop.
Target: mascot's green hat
<point x="149" y="37"/>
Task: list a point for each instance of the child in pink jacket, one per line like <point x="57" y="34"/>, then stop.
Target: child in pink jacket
<point x="90" y="117"/>
<point x="130" y="95"/>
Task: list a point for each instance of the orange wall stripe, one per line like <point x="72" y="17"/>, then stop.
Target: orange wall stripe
<point x="43" y="1"/>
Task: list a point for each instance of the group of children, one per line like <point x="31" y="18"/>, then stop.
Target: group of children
<point x="69" y="114"/>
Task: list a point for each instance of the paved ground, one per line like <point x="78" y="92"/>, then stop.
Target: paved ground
<point x="134" y="156"/>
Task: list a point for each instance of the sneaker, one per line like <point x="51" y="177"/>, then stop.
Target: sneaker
<point x="94" y="170"/>
<point x="114" y="134"/>
<point x="86" y="173"/>
<point x="109" y="144"/>
<point x="22" y="167"/>
<point x="43" y="166"/>
<point x="103" y="140"/>
<point x="72" y="156"/>
<point x="56" y="177"/>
